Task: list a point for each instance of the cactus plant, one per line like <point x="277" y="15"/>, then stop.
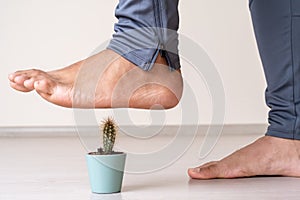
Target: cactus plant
<point x="105" y="165"/>
<point x="109" y="131"/>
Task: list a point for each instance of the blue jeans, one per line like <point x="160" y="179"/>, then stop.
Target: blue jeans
<point x="148" y="27"/>
<point x="277" y="29"/>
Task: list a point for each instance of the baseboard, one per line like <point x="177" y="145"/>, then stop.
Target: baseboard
<point x="67" y="131"/>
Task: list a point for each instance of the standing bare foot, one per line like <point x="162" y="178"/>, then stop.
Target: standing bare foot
<point x="104" y="80"/>
<point x="266" y="156"/>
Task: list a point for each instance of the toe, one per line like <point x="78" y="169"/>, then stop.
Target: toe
<point x="19" y="87"/>
<point x="20" y="79"/>
<point x="27" y="74"/>
<point x="43" y="87"/>
<point x="29" y="83"/>
<point x="205" y="172"/>
<point x="28" y="80"/>
<point x="11" y="77"/>
<point x="193" y="172"/>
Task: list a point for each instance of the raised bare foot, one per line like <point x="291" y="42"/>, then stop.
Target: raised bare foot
<point x="104" y="80"/>
<point x="266" y="156"/>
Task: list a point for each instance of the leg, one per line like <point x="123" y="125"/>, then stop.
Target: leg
<point x="127" y="74"/>
<point x="277" y="28"/>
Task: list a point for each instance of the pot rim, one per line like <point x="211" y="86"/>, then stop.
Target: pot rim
<point x="116" y="153"/>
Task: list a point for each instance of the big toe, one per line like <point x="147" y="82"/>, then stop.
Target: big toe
<point x="29" y="83"/>
<point x="44" y="86"/>
<point x="205" y="172"/>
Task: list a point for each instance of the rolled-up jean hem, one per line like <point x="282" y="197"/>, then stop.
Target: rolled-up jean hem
<point x="144" y="61"/>
<point x="282" y="134"/>
<point x="144" y="58"/>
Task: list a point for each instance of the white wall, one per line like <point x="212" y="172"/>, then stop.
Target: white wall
<point x="51" y="34"/>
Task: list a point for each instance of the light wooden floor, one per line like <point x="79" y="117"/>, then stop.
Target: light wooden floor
<point x="54" y="168"/>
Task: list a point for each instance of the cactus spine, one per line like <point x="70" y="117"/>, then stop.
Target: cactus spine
<point x="109" y="130"/>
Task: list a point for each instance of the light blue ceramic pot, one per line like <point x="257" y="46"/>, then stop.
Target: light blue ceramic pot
<point x="106" y="172"/>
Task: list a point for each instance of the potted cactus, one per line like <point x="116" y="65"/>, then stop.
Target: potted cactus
<point x="105" y="166"/>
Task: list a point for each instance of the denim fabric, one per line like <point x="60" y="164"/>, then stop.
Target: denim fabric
<point x="277" y="29"/>
<point x="146" y="28"/>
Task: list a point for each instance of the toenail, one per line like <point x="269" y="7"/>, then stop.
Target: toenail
<point x="196" y="170"/>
